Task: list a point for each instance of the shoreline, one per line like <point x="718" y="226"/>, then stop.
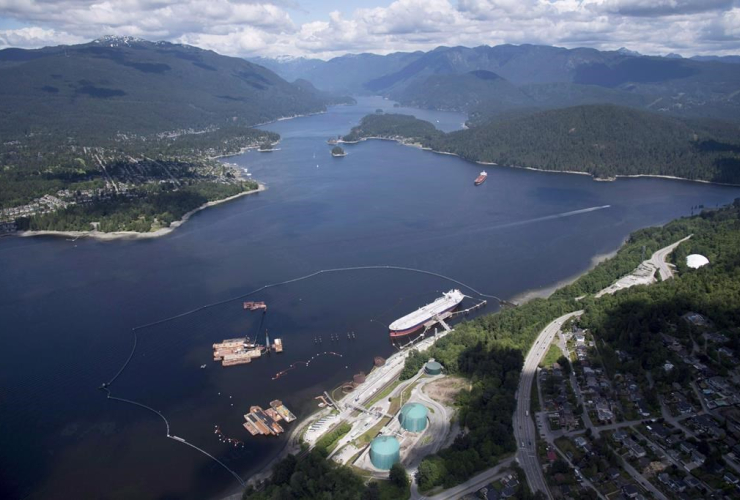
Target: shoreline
<point x="546" y="291"/>
<point x="133" y="235"/>
<point x="575" y="172"/>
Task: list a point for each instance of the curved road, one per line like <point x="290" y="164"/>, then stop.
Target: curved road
<point x="524" y="430"/>
<point x="658" y="259"/>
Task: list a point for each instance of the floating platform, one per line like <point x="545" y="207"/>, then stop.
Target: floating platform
<point x="278" y="345"/>
<point x="282" y="410"/>
<point x="236" y="352"/>
<point x="265" y="422"/>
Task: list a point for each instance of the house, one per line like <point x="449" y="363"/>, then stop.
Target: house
<point x="687" y="447"/>
<point x="630" y="491"/>
<point x="659" y="431"/>
<point x="581" y="442"/>
<point x="612" y="473"/>
<point x="635" y="449"/>
<point x="730" y="478"/>
<point x="642" y="408"/>
<point x="692" y="482"/>
<point x="684" y="408"/>
<point x="695" y="318"/>
<point x="604" y="412"/>
<point x="619" y="435"/>
<point x="508" y="492"/>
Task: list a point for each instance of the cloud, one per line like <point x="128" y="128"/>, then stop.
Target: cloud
<point x="36" y="37"/>
<point x="265" y="27"/>
<point x="652" y="8"/>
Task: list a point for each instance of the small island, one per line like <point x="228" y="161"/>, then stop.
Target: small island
<point x="336" y="151"/>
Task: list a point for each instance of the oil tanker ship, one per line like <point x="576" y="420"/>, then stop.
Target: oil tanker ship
<point x="427" y="314"/>
<point x="481" y="178"/>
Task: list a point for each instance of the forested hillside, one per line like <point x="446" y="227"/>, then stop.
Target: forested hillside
<point x="489" y="349"/>
<point x="134" y="86"/>
<point x="602" y="140"/>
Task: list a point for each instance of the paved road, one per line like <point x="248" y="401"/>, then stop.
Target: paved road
<point x="472" y="485"/>
<point x="524" y="431"/>
<point x="640" y="479"/>
<point x="658" y="259"/>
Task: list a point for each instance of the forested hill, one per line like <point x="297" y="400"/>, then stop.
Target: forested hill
<point x="602" y="140"/>
<point x="122" y="84"/>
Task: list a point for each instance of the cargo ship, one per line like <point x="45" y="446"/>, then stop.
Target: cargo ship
<point x="426" y="316"/>
<point x="481" y="178"/>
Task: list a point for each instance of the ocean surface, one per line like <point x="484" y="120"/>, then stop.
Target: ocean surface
<point x="67" y="308"/>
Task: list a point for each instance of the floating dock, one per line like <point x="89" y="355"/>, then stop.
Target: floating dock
<point x="236" y="351"/>
<point x="265" y="422"/>
<point x="278" y="345"/>
<point x="282" y="410"/>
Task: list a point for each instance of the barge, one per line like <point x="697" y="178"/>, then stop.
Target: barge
<point x="265" y="422"/>
<point x="236" y="351"/>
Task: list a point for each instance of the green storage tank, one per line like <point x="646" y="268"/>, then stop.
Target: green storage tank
<point x="413" y="417"/>
<point x="384" y="452"/>
<point x="433" y="368"/>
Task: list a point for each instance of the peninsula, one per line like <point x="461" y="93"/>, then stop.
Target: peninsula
<point x="604" y="141"/>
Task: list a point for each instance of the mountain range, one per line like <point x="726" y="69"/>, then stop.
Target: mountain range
<point x="484" y="80"/>
<point x="127" y="85"/>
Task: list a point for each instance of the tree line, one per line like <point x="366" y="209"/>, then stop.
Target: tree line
<point x="602" y="140"/>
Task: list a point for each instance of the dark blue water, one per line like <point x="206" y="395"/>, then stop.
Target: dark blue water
<point x="67" y="308"/>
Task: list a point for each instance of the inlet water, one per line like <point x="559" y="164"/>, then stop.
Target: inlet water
<point x="67" y="308"/>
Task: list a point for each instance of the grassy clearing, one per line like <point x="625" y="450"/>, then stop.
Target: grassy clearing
<point x="389" y="491"/>
<point x="552" y="356"/>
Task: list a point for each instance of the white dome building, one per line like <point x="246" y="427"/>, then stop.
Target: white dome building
<point x="695" y="261"/>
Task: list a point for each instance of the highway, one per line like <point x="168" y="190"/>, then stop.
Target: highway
<point x="524" y="430"/>
<point x="658" y="259"/>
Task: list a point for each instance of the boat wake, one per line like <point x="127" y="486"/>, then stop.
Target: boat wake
<point x="550" y="217"/>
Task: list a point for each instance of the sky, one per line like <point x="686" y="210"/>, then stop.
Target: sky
<point x="329" y="28"/>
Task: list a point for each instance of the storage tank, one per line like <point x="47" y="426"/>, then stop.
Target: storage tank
<point x="384" y="452"/>
<point x="433" y="368"/>
<point x="413" y="417"/>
